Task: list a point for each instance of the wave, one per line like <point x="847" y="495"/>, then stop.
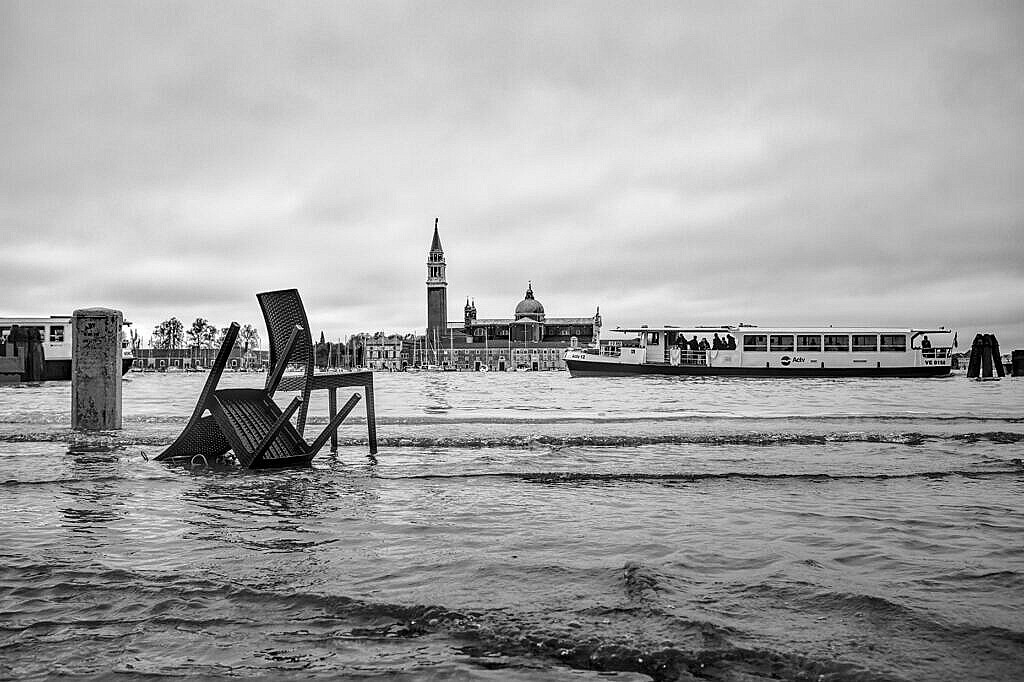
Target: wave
<point x="454" y="420"/>
<point x="573" y="477"/>
<point x="689" y="477"/>
<point x="113" y="439"/>
<point x="122" y="601"/>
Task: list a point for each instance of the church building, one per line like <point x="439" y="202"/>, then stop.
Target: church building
<point x="527" y="340"/>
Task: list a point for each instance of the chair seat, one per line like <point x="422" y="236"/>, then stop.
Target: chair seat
<point x="247" y="415"/>
<point x="315" y="382"/>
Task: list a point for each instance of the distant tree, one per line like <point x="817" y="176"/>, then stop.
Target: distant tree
<point x="196" y="332"/>
<point x="169" y="334"/>
<point x="135" y="340"/>
<point x="249" y="336"/>
<point x="209" y="336"/>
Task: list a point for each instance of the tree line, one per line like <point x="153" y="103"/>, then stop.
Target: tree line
<point x="171" y="334"/>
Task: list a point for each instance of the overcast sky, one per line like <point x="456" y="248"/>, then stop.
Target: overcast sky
<point x="672" y="162"/>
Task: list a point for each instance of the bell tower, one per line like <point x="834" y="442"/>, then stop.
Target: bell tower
<point x="437" y="291"/>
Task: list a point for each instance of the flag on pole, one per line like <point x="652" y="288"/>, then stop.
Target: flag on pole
<point x="954" y="339"/>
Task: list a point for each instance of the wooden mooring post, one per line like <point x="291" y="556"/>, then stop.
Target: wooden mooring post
<point x="96" y="369"/>
<point x="985" y="358"/>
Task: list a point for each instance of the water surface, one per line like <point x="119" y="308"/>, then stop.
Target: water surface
<point x="529" y="526"/>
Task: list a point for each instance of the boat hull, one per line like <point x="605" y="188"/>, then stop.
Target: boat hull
<point x="588" y="368"/>
<point x="60" y="370"/>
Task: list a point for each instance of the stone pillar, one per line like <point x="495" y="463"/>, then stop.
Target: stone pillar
<point x="96" y="370"/>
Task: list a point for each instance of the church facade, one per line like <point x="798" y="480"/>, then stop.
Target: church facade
<point x="528" y="340"/>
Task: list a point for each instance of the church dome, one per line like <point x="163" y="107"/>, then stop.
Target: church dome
<point x="529" y="306"/>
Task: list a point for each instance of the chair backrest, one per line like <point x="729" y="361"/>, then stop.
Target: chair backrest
<point x="282" y="311"/>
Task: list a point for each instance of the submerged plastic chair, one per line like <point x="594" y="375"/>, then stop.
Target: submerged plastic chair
<point x="283" y="311"/>
<point x="261" y="435"/>
<point x="202" y="435"/>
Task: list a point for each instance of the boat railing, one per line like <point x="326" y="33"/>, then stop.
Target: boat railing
<point x="935" y="356"/>
<point x="688" y="358"/>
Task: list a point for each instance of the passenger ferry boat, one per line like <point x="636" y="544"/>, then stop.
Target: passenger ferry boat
<point x="55" y="332"/>
<point x="772" y="352"/>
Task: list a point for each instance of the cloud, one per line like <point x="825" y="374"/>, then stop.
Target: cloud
<point x="767" y="162"/>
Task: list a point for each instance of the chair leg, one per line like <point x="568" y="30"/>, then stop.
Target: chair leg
<point x="300" y="424"/>
<point x="332" y="405"/>
<point x="264" y="445"/>
<point x="371" y="417"/>
<point x="335" y="422"/>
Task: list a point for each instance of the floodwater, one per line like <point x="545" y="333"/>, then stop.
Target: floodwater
<point x="529" y="526"/>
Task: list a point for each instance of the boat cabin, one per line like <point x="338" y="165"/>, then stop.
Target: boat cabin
<point x="781" y="347"/>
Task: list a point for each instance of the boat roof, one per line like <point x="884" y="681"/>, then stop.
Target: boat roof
<point x="52" y="319"/>
<point x="751" y="329"/>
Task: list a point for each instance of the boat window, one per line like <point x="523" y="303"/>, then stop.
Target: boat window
<point x="837" y="342"/>
<point x="781" y="342"/>
<point x="56" y="334"/>
<point x="894" y="342"/>
<point x="755" y="342"/>
<point x="808" y="343"/>
<point x="652" y="338"/>
<point x="865" y="343"/>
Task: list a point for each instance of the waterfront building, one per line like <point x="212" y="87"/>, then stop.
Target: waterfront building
<point x="384" y="351"/>
<point x="527" y="340"/>
<point x="161" y="359"/>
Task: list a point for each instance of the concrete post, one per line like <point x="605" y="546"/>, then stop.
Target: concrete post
<point x="96" y="369"/>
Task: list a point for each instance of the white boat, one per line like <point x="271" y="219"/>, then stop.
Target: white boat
<point x="771" y="352"/>
<point x="55" y="332"/>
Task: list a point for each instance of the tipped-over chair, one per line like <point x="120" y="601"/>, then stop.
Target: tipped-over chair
<point x="202" y="435"/>
<point x="283" y="311"/>
<point x="261" y="435"/>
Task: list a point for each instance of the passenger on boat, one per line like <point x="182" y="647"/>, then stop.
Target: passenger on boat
<point x="730" y="343"/>
<point x="716" y="343"/>
<point x="703" y="345"/>
<point x="925" y="343"/>
<point x="694" y="343"/>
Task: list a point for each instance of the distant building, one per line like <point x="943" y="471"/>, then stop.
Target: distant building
<point x="437" y="289"/>
<point x="527" y="340"/>
<point x="384" y="351"/>
<point x="161" y="359"/>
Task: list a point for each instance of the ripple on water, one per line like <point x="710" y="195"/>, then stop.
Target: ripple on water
<point x="654" y="529"/>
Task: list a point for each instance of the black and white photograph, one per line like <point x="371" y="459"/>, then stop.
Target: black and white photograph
<point x="511" y="341"/>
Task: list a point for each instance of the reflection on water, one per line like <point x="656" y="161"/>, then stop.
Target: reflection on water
<point x="90" y="489"/>
<point x="435" y="391"/>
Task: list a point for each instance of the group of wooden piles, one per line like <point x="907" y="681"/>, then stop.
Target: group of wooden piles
<point x="985" y="358"/>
